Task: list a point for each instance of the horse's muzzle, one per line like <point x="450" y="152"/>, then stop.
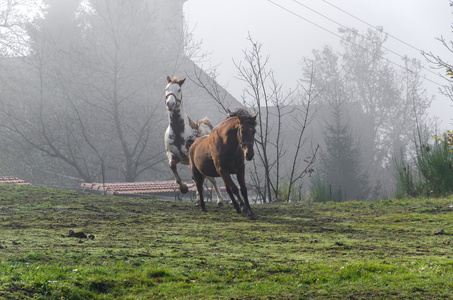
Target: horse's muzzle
<point x="171" y="105"/>
<point x="249" y="155"/>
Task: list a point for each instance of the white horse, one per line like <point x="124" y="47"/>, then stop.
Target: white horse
<point x="181" y="133"/>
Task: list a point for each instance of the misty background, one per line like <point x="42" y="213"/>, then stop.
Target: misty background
<point x="82" y="91"/>
<point x="290" y="30"/>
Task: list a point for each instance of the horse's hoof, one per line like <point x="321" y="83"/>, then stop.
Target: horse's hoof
<point x="204" y="210"/>
<point x="253" y="216"/>
<point x="219" y="204"/>
<point x="249" y="213"/>
<point x="184" y="189"/>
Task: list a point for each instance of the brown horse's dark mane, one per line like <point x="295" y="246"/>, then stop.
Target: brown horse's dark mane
<point x="241" y="114"/>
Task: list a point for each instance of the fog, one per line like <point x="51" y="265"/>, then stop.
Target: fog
<point x="82" y="97"/>
<point x="289" y="36"/>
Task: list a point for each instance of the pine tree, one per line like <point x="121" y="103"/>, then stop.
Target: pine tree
<point x="341" y="164"/>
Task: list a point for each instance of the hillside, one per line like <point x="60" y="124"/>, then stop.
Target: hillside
<point x="152" y="249"/>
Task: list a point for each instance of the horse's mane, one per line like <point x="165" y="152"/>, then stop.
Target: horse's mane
<point x="242" y="114"/>
<point x="174" y="80"/>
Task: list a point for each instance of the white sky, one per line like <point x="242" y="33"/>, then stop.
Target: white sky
<point x="223" y="27"/>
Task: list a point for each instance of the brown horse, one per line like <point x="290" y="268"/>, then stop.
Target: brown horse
<point x="221" y="153"/>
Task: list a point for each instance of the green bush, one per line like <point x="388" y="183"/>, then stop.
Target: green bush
<point x="287" y="194"/>
<point x="435" y="164"/>
<point x="432" y="175"/>
<point x="322" y="191"/>
<point x="408" y="184"/>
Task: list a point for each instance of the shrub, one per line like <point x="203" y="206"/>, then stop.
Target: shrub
<point x="435" y="164"/>
<point x="433" y="175"/>
<point x="287" y="194"/>
<point x="322" y="191"/>
<point x="408" y="184"/>
<point x="446" y="138"/>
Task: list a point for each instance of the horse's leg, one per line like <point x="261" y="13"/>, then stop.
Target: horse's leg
<point x="198" y="202"/>
<point x="200" y="194"/>
<point x="198" y="179"/>
<point x="219" y="196"/>
<point x="235" y="204"/>
<point x="173" y="161"/>
<point x="234" y="190"/>
<point x="241" y="181"/>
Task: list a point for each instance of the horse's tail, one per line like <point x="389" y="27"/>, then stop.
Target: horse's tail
<point x="203" y="126"/>
<point x="206" y="121"/>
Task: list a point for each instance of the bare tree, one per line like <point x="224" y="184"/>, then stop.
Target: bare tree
<point x="303" y="118"/>
<point x="261" y="92"/>
<point x="121" y="79"/>
<point x="89" y="100"/>
<point x="207" y="80"/>
<point x="280" y="144"/>
<point x="442" y="63"/>
<point x="15" y="15"/>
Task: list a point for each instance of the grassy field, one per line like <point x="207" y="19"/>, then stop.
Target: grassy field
<point x="151" y="249"/>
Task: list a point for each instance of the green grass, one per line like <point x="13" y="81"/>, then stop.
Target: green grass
<point x="151" y="249"/>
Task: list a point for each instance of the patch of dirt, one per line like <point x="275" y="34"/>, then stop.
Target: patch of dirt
<point x="80" y="235"/>
<point x="328" y="220"/>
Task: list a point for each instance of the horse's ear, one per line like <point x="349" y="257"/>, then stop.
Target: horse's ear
<point x="168" y="79"/>
<point x="254" y="117"/>
<point x="181" y="81"/>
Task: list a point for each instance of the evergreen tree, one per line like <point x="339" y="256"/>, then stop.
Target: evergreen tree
<point x="341" y="164"/>
<point x="389" y="102"/>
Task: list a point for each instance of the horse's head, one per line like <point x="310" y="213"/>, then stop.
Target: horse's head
<point x="173" y="93"/>
<point x="246" y="134"/>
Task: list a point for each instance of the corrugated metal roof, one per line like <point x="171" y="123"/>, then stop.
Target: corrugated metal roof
<point x="13" y="180"/>
<point x="132" y="188"/>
